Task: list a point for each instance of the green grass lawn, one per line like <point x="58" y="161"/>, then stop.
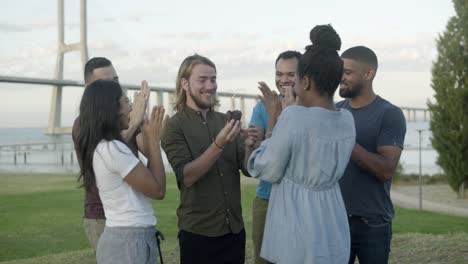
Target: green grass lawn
<point x="41" y="222"/>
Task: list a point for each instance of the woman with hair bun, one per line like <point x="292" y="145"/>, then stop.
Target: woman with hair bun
<point x="308" y="149"/>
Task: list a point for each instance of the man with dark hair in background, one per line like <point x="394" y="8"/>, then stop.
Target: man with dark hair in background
<point x="380" y="135"/>
<point x="100" y="68"/>
<point x="285" y="74"/>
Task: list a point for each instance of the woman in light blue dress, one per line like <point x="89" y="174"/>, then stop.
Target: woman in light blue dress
<point x="306" y="151"/>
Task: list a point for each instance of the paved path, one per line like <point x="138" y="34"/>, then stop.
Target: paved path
<point x="405" y="200"/>
<point x="437" y="198"/>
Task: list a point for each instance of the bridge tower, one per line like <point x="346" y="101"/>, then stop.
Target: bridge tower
<point x="55" y="115"/>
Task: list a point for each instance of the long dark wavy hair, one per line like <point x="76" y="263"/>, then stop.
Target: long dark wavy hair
<point x="99" y="120"/>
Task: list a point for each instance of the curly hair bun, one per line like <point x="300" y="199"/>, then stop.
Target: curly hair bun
<point x="325" y="36"/>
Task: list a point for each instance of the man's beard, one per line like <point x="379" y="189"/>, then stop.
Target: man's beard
<point x="199" y="103"/>
<point x="351" y="92"/>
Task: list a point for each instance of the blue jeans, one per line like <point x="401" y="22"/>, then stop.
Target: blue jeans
<point x="370" y="239"/>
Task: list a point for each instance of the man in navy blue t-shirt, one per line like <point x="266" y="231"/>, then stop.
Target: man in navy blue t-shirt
<point x="380" y="135"/>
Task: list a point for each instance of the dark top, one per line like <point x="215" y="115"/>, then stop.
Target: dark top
<point x="92" y="202"/>
<point x="211" y="206"/>
<point x="378" y="124"/>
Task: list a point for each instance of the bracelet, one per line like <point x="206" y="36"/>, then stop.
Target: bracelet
<point x="216" y="144"/>
<point x="268" y="134"/>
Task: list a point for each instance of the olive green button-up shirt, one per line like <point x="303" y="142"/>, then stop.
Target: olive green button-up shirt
<point x="212" y="206"/>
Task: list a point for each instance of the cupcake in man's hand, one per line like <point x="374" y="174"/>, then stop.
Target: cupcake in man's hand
<point x="236" y="114"/>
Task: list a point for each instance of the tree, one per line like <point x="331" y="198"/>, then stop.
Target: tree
<point x="449" y="112"/>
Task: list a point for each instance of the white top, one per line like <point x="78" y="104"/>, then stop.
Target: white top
<point x="306" y="156"/>
<point x="123" y="205"/>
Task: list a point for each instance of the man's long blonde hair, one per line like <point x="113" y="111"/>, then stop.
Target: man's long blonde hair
<point x="185" y="70"/>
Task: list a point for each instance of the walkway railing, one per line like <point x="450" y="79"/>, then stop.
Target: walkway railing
<point x="414" y="114"/>
<point x="60" y="153"/>
<point x="63" y="153"/>
<point x="237" y="100"/>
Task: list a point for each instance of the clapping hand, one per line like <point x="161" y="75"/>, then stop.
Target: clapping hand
<point x="153" y="127"/>
<point x="140" y="101"/>
<point x="270" y="99"/>
<point x="289" y="97"/>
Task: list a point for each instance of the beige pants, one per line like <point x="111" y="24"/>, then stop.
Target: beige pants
<point x="93" y="229"/>
<point x="259" y="211"/>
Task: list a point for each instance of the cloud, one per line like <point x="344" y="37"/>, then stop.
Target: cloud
<point x="413" y="53"/>
<point x="234" y="56"/>
<point x="45" y="24"/>
<point x="33" y="26"/>
<point x="38" y="25"/>
<point x="105" y="20"/>
<point x="241" y="58"/>
<point x="11" y="28"/>
<point x="192" y="36"/>
<point x="105" y="44"/>
<point x="35" y="60"/>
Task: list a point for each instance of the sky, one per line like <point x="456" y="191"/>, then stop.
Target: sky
<point x="148" y="39"/>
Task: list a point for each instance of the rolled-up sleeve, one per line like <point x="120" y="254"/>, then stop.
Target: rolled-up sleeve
<point x="175" y="146"/>
<point x="270" y="160"/>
